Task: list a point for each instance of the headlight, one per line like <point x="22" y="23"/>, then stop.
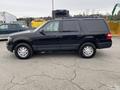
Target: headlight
<point x="9" y="39"/>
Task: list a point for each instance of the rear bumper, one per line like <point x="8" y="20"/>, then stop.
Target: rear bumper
<point x="104" y="45"/>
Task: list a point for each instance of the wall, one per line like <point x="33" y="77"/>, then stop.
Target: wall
<point x="114" y="27"/>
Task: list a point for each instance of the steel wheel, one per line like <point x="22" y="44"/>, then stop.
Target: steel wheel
<point x="87" y="50"/>
<point x="22" y="51"/>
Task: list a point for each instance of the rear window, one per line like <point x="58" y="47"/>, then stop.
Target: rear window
<point x="94" y="26"/>
<point x="70" y="25"/>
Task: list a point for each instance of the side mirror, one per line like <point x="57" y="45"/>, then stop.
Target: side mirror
<point x="42" y="32"/>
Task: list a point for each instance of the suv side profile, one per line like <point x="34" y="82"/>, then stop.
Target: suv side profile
<point x="83" y="35"/>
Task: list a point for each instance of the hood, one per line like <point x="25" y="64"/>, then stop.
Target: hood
<point x="22" y="32"/>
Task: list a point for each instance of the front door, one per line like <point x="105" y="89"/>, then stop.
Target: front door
<point x="48" y="39"/>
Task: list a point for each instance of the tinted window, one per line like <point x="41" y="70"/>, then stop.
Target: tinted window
<point x="13" y="26"/>
<point x="94" y="26"/>
<point x="4" y="27"/>
<point x="52" y="26"/>
<point x="70" y="25"/>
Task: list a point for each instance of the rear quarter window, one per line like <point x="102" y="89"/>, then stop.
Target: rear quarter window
<point x="94" y="26"/>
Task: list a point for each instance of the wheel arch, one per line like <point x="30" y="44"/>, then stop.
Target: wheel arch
<point x="21" y="41"/>
<point x="89" y="39"/>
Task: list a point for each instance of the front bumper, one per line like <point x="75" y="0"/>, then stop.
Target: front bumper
<point x="9" y="46"/>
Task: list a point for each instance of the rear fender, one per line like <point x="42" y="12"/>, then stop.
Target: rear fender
<point x="90" y="39"/>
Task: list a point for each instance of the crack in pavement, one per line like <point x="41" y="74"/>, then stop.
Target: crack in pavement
<point x="42" y="75"/>
<point x="75" y="75"/>
<point x="74" y="71"/>
<point x="105" y="85"/>
<point x="26" y="80"/>
<point x="13" y="83"/>
<point x="75" y="65"/>
<point x="66" y="66"/>
<point x="100" y="70"/>
<point x="10" y="82"/>
<point x="45" y="75"/>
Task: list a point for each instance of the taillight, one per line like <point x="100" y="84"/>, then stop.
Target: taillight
<point x="109" y="36"/>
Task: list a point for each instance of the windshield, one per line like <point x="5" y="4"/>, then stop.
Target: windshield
<point x="40" y="27"/>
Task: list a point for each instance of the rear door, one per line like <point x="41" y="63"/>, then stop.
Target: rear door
<point x="70" y="36"/>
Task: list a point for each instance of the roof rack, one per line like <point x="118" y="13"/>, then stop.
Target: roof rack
<point x="84" y="17"/>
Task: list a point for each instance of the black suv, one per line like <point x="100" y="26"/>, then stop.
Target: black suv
<point x="83" y="35"/>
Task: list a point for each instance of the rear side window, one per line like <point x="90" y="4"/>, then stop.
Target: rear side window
<point x="13" y="26"/>
<point x="70" y="26"/>
<point x="94" y="26"/>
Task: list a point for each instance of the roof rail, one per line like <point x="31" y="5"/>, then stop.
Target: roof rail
<point x="81" y="17"/>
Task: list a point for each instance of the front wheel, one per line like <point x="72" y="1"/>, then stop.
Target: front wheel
<point x="23" y="51"/>
<point x="87" y="50"/>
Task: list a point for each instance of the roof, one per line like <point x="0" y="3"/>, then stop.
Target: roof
<point x="69" y="18"/>
<point x="9" y="24"/>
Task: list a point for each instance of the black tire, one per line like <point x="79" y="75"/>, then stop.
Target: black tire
<point x="28" y="49"/>
<point x="90" y="53"/>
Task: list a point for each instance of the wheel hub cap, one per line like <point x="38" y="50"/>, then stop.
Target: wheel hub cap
<point x="22" y="51"/>
<point x="88" y="51"/>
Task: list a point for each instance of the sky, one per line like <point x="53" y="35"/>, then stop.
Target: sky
<point x="39" y="8"/>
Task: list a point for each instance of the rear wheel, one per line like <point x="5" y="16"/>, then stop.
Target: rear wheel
<point x="23" y="51"/>
<point x="87" y="50"/>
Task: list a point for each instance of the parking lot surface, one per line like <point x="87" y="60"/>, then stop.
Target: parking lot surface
<point x="61" y="71"/>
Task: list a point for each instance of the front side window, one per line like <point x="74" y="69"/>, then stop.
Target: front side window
<point x="52" y="27"/>
<point x="4" y="27"/>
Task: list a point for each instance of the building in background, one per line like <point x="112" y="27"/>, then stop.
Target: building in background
<point x="6" y="17"/>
